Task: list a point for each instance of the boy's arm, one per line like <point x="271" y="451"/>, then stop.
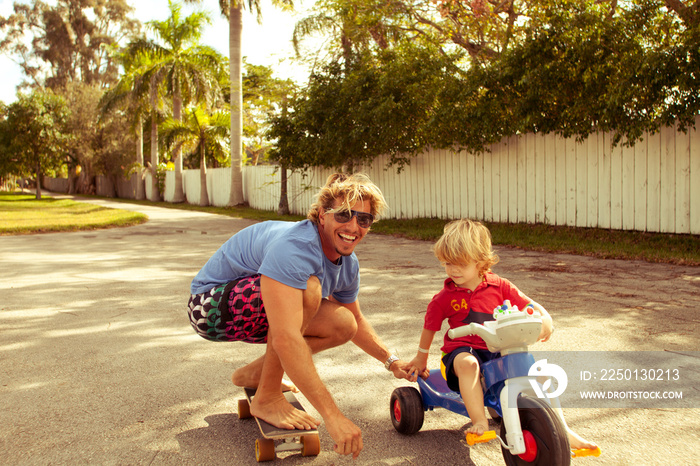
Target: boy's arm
<point x="419" y="364"/>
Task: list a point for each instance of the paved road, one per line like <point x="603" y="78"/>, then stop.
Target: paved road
<point x="98" y="363"/>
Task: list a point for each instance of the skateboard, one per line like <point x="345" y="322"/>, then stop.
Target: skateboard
<point x="305" y="441"/>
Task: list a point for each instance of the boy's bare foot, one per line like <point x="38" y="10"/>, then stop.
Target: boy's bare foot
<point x="577" y="442"/>
<point x="478" y="427"/>
<point x="280" y="413"/>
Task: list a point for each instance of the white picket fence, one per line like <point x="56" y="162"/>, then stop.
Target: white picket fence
<point x="653" y="186"/>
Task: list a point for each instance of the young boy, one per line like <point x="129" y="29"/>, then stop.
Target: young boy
<point x="470" y="294"/>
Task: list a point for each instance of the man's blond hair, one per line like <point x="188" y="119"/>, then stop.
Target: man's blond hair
<point x="348" y="189"/>
<point x="465" y="241"/>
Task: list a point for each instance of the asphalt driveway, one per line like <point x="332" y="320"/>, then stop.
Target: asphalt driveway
<point x="98" y="363"/>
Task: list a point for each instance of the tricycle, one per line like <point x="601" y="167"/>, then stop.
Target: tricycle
<point x="517" y="391"/>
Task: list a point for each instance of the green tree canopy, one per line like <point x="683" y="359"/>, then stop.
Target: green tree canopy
<point x="351" y="113"/>
<point x="33" y="133"/>
<point x="263" y="97"/>
<point x="70" y="40"/>
<point x="466" y="74"/>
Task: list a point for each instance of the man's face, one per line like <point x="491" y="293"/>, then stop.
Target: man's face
<point x="340" y="239"/>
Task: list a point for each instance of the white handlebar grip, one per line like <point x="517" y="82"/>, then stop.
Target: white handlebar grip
<point x="462" y="331"/>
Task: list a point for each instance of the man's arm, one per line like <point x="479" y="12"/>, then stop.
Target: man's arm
<point x="287" y="317"/>
<point x="368" y="340"/>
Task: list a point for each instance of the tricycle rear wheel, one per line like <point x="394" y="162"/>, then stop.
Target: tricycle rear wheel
<point x="406" y="409"/>
<point x="549" y="443"/>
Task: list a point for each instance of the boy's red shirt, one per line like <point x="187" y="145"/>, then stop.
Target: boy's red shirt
<point x="461" y="306"/>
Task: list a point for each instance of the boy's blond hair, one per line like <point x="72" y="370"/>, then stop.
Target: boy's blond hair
<point x="465" y="241"/>
<point x="349" y="189"/>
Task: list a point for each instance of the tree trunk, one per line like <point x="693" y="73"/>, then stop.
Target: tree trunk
<point x="72" y="179"/>
<point x="235" y="37"/>
<point x="179" y="195"/>
<point x="283" y="208"/>
<point x="153" y="90"/>
<point x="203" y="192"/>
<point x="112" y="185"/>
<point x="140" y="193"/>
<point x="38" y="180"/>
<point x="155" y="194"/>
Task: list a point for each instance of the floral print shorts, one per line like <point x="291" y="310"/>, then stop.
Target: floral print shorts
<point x="231" y="312"/>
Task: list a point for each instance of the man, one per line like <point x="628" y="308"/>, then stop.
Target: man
<point x="294" y="286"/>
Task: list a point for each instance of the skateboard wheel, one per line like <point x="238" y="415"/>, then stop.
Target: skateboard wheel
<point x="243" y="409"/>
<point x="310" y="445"/>
<point x="265" y="450"/>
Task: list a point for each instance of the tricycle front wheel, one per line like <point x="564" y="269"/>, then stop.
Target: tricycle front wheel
<point x="406" y="409"/>
<point x="545" y="436"/>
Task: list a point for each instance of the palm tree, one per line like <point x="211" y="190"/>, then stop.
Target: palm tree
<point x="198" y="132"/>
<point x="233" y="10"/>
<point x="145" y="85"/>
<point x="133" y="99"/>
<point x="187" y="70"/>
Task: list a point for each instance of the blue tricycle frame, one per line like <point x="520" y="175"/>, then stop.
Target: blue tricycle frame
<point x="436" y="394"/>
<point x="532" y="430"/>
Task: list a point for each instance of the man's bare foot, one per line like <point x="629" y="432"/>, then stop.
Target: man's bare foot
<point x="242" y="381"/>
<point x="280" y="413"/>
<point x="288" y="385"/>
<point x="478" y="427"/>
<point x="577" y="442"/>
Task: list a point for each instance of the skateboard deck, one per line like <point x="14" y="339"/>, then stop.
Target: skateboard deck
<point x="306" y="441"/>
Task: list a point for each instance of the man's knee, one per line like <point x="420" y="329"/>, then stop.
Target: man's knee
<point x="345" y="325"/>
<point x="336" y="324"/>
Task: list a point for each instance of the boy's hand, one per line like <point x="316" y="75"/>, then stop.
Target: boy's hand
<point x="423" y="374"/>
<point x="544" y="336"/>
<point x="547" y="329"/>
<point x="418" y="368"/>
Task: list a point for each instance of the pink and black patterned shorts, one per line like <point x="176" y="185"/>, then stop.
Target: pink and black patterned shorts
<point x="231" y="312"/>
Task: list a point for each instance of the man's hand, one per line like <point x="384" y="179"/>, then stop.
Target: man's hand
<point x="401" y="370"/>
<point x="346" y="435"/>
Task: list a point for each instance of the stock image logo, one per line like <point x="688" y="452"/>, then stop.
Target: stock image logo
<point x="542" y="368"/>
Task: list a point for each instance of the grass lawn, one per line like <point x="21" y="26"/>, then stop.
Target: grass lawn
<point x="23" y="214"/>
<point x="595" y="242"/>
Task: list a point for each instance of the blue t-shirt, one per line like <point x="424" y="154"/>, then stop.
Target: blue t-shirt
<point x="289" y="252"/>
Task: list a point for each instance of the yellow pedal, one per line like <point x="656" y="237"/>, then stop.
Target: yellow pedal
<point x="487" y="436"/>
<point x="586" y="452"/>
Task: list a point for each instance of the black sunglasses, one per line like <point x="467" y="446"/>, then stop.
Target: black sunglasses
<point x="363" y="218"/>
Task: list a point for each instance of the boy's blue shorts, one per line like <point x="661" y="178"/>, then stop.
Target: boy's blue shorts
<point x="481" y="355"/>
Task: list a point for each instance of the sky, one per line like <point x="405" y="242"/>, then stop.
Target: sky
<point x="268" y="44"/>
